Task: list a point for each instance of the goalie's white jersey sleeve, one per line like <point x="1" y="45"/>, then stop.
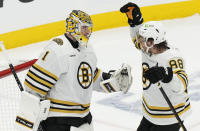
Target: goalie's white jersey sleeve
<point x="64" y="75"/>
<point x="155" y="107"/>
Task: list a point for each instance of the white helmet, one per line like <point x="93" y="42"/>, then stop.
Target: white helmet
<point x="75" y="21"/>
<point x="153" y="30"/>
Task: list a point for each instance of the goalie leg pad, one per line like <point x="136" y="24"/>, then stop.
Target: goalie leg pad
<point x="31" y="112"/>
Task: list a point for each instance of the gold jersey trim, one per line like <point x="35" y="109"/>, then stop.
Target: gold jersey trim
<point x="52" y="109"/>
<point x="97" y="75"/>
<point x="45" y="72"/>
<point x="166" y="115"/>
<point x="35" y="88"/>
<point x="68" y="102"/>
<point x="68" y="107"/>
<point x="162" y="108"/>
<point x="183" y="77"/>
<point x="165" y="110"/>
<point x="39" y="80"/>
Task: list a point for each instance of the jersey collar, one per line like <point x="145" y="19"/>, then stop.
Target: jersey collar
<point x="74" y="44"/>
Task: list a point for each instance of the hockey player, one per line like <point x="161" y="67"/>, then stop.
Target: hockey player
<point x="59" y="85"/>
<point x="163" y="64"/>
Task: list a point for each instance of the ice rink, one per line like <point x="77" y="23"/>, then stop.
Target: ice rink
<point x="117" y="111"/>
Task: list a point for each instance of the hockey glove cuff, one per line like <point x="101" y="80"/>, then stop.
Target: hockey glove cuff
<point x="120" y="80"/>
<point x="106" y="76"/>
<point x="168" y="75"/>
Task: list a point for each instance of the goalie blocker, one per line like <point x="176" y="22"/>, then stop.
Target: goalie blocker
<point x="120" y="80"/>
<point x="32" y="111"/>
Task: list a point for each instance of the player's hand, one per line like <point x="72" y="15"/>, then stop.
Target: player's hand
<point x="155" y="74"/>
<point x="133" y="13"/>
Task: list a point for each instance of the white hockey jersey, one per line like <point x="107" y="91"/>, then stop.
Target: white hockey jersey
<point x="66" y="76"/>
<point x="155" y="107"/>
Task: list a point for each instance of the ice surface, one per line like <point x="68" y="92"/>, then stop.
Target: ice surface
<point x="119" y="112"/>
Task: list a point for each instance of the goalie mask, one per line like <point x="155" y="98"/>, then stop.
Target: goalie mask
<point x="150" y="31"/>
<point x="79" y="25"/>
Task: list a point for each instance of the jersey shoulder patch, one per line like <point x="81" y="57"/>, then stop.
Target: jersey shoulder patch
<point x="59" y="41"/>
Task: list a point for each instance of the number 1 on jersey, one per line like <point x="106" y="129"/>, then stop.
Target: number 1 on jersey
<point x="45" y="55"/>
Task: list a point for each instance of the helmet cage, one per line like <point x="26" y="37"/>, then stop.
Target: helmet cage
<point x="150" y="30"/>
<point x="75" y="21"/>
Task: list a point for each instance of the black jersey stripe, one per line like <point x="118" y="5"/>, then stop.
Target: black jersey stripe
<point x="70" y="109"/>
<point x="164" y="109"/>
<point x="68" y="105"/>
<point x="169" y="115"/>
<point x="41" y="77"/>
<point x="52" y="107"/>
<point x="184" y="81"/>
<point x="45" y="72"/>
<point x="181" y="72"/>
<point x="39" y="81"/>
<point x="79" y="111"/>
<point x="184" y="76"/>
<point x="35" y="88"/>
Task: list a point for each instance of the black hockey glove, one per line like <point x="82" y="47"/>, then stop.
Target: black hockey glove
<point x="133" y="13"/>
<point x="156" y="74"/>
<point x="106" y="76"/>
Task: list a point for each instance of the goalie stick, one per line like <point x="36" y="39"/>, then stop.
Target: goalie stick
<point x="11" y="67"/>
<point x="171" y="107"/>
<point x="32" y="109"/>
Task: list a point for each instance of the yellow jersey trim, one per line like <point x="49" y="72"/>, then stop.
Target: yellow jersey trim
<point x="35" y="89"/>
<point x="39" y="80"/>
<point x="166" y="116"/>
<point x="162" y="108"/>
<point x="97" y="75"/>
<point x="68" y="102"/>
<point x="45" y="71"/>
<point x="68" y="111"/>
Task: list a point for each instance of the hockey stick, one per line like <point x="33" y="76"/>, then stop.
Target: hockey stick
<point x="171" y="107"/>
<point x="11" y="66"/>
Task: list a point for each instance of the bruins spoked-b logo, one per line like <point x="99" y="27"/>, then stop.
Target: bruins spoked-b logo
<point x="146" y="82"/>
<point x="84" y="75"/>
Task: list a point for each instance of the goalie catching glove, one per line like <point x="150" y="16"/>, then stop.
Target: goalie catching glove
<point x="120" y="80"/>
